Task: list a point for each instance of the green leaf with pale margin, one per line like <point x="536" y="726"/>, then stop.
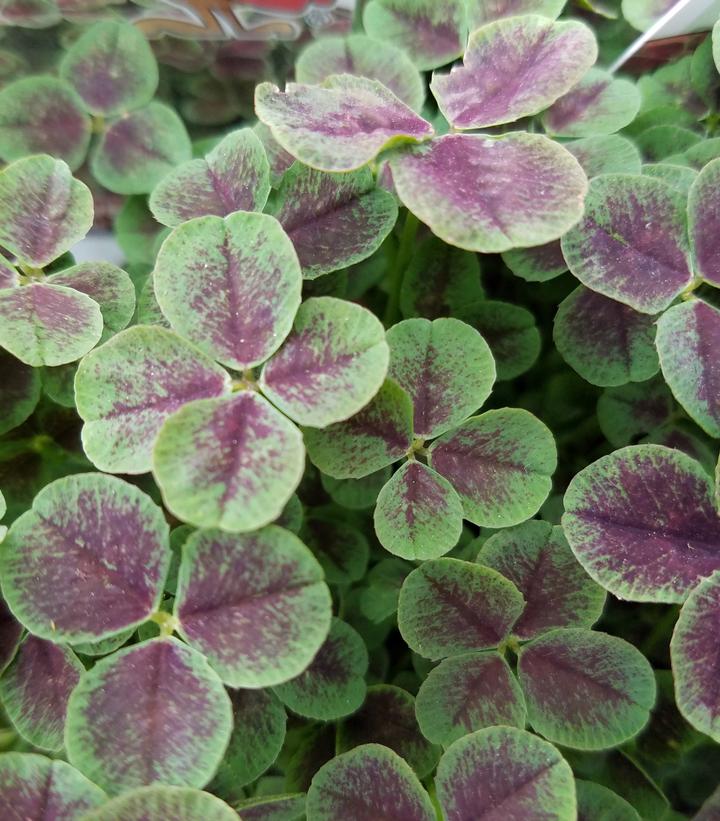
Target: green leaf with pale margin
<point x="362" y="56"/>
<point x="370" y="781"/>
<point x="598" y="803"/>
<point x="128" y="387"/>
<point x="160" y="802"/>
<point x="628" y="411"/>
<point x="446" y="368"/>
<point x="585" y="689"/>
<point x="139" y="149"/>
<point x="448" y="606"/>
<point x="35" y="787"/>
<point x="599" y="104"/>
<point x="339" y="125"/>
<point x="379" y="597"/>
<point x="539" y="264"/>
<point x="256" y="605"/>
<point x="230" y="462"/>
<point x="44" y="211"/>
<point x="418" y="514"/>
<point x="481" y="12"/>
<point x="19" y="391"/>
<point x="152" y="712"/>
<point x="509" y="768"/>
<point x="231" y="286"/>
<point x="288" y="807"/>
<point x="356" y="494"/>
<point x="331" y="365"/>
<point x="333" y="220"/>
<point x="678" y="177"/>
<point x="466" y="693"/>
<point x="387" y="717"/>
<point x="375" y="437"/>
<point x="43" y="115"/>
<point x="432" y="32"/>
<point x="606" y="154"/>
<point x="509" y="330"/>
<point x="234" y="176"/>
<point x="439" y="280"/>
<point x="333" y="685"/>
<point x="112" y="68"/>
<point x="500" y="463"/>
<point x="258" y="734"/>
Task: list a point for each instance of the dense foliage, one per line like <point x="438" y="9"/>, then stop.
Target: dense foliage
<point x="379" y="482"/>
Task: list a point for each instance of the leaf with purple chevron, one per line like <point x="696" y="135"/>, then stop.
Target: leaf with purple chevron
<point x="598" y="104"/>
<point x="333" y="220"/>
<point x="234" y="176"/>
<point x="505" y="766"/>
<point x="686" y="336"/>
<point x="46" y="324"/>
<point x="10" y="633"/>
<point x="500" y="464"/>
<point x="87" y="561"/>
<point x="375" y="437"/>
<point x="586" y="689"/>
<point x="362" y="56"/>
<point x="370" y="781"/>
<point x="446" y="368"/>
<point x="448" y="606"/>
<point x="545" y="59"/>
<point x="606" y="342"/>
<point x="44" y="211"/>
<point x="339" y="125"/>
<point x="106" y="284"/>
<point x="160" y="802"/>
<point x="536" y="557"/>
<point x="174" y="729"/>
<point x="128" y="387"/>
<point x="694" y="653"/>
<point x="466" y="693"/>
<point x="642" y="522"/>
<point x="43" y="115"/>
<point x="33" y="786"/>
<point x="137" y="150"/>
<point x="631" y="244"/>
<point x="112" y="68"/>
<point x="259" y="723"/>
<point x="387" y="717"/>
<point x="464" y="187"/>
<point x="703" y="222"/>
<point x="331" y="365"/>
<point x="418" y="514"/>
<point x="333" y="685"/>
<point x="35" y="689"/>
<point x="256" y="605"/>
<point x="439" y="280"/>
<point x="231" y="462"/>
<point x="432" y="32"/>
<point x="230" y="286"/>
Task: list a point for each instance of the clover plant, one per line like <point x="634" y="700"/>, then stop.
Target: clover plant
<point x="379" y="481"/>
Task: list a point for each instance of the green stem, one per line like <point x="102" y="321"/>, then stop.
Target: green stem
<point x="400" y="263"/>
